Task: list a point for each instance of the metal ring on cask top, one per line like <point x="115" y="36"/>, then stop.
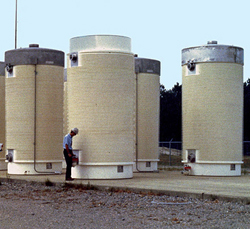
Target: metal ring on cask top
<point x="2" y="66"/>
<point x="212" y="52"/>
<point x="34" y="55"/>
<point x="143" y="65"/>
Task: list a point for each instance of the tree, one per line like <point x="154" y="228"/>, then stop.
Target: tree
<point x="247" y="110"/>
<point x="171" y="117"/>
<point x="170" y="113"/>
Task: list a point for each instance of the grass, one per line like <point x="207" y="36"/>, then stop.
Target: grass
<point x="246" y="164"/>
<point x="174" y="160"/>
<point x="80" y="187"/>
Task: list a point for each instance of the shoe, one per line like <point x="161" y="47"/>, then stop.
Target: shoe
<point x="70" y="179"/>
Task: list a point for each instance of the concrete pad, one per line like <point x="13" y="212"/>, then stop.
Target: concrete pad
<point x="165" y="182"/>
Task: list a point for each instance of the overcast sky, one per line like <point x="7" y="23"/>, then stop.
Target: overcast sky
<point x="158" y="29"/>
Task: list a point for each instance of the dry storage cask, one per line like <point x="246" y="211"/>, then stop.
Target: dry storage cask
<point x="34" y="110"/>
<point x="147" y="114"/>
<point x="3" y="164"/>
<point x="101" y="104"/>
<point x="65" y="106"/>
<point x="212" y="109"/>
<point x="65" y="112"/>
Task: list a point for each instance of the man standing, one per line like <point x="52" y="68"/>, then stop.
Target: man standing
<point x="68" y="153"/>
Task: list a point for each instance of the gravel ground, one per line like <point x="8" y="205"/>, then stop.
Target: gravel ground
<point x="45" y="205"/>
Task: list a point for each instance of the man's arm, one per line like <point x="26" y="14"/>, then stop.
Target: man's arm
<point x="67" y="148"/>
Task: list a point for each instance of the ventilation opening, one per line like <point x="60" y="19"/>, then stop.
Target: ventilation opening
<point x="9" y="69"/>
<point x="192" y="70"/>
<point x="10" y="155"/>
<point x="191" y="155"/>
<point x="73" y="59"/>
<point x="232" y="167"/>
<point x="148" y="164"/>
<point x="120" y="168"/>
<point x="48" y="165"/>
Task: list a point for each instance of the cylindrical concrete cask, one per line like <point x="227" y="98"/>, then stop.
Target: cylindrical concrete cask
<point x="65" y="112"/>
<point x="3" y="164"/>
<point x="212" y="109"/>
<point x="147" y="114"/>
<point x="34" y="110"/>
<point x="101" y="104"/>
<point x="65" y="105"/>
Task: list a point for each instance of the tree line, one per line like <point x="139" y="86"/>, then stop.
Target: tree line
<point x="171" y="116"/>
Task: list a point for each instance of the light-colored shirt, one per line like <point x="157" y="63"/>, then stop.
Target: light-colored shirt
<point x="67" y="140"/>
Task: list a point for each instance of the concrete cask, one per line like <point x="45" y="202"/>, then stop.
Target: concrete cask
<point x="147" y="113"/>
<point x="101" y="104"/>
<point x="212" y="109"/>
<point x="3" y="164"/>
<point x="34" y="110"/>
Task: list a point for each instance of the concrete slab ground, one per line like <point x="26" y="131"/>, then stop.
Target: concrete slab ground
<point x="235" y="189"/>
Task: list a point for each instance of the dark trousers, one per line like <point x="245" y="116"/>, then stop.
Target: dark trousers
<point x="68" y="162"/>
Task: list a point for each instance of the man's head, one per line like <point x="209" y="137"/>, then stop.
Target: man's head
<point x="74" y="132"/>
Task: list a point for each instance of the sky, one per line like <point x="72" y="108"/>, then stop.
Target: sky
<point x="158" y="29"/>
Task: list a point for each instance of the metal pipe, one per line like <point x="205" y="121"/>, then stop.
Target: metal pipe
<point x="16" y="27"/>
<point x="35" y="115"/>
<point x="170" y="151"/>
<point x="136" y="121"/>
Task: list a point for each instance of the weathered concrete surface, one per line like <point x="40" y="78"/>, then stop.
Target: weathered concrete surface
<point x="166" y="182"/>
